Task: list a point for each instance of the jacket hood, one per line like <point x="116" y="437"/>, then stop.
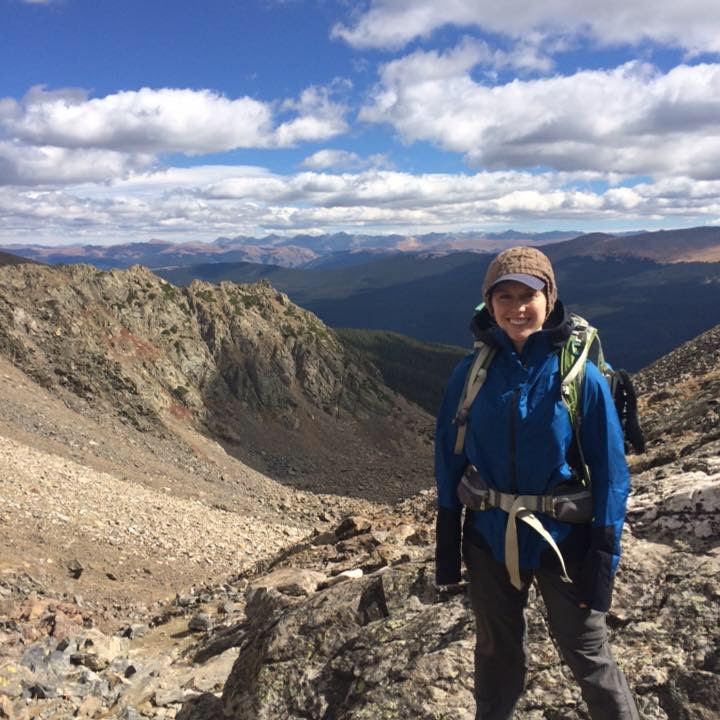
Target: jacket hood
<point x="557" y="327"/>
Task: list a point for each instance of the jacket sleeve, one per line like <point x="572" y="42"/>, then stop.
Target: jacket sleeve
<point x="449" y="468"/>
<point x="603" y="446"/>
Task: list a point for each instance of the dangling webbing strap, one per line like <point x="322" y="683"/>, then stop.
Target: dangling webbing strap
<point x="523" y="507"/>
<point x="473" y="382"/>
<point x="519" y="510"/>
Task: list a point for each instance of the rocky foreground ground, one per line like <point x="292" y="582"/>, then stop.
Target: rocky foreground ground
<point x="348" y="624"/>
<point x="102" y="525"/>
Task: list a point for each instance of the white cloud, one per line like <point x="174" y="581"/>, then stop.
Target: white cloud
<point x="204" y="203"/>
<point x="318" y="118"/>
<point x="49" y="165"/>
<point x="166" y="120"/>
<point x="146" y="120"/>
<point x="693" y="24"/>
<point x="165" y="180"/>
<point x="256" y="189"/>
<point x="343" y="160"/>
<point x="624" y="198"/>
<point x="632" y="120"/>
<point x="374" y="188"/>
<point x="324" y="159"/>
<point x="63" y="136"/>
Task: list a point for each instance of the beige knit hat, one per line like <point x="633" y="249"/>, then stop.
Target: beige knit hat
<point x="521" y="261"/>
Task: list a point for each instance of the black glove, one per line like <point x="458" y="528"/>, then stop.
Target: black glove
<point x="597" y="574"/>
<point x="448" y="537"/>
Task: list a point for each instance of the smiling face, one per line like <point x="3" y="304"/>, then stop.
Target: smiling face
<point x="519" y="310"/>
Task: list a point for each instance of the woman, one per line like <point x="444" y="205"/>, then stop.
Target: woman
<point x="519" y="441"/>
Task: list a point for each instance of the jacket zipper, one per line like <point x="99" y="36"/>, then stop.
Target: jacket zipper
<point x="513" y="441"/>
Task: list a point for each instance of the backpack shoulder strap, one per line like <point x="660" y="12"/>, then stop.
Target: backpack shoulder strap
<point x="573" y="357"/>
<point x="574" y="354"/>
<point x="474" y="380"/>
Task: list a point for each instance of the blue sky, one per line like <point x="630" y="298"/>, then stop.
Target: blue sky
<point x="186" y="121"/>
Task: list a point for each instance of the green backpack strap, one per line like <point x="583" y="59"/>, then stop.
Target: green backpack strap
<point x="573" y="357"/>
<point x="473" y="382"/>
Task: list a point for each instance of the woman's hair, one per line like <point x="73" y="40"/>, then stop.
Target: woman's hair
<point x="524" y="261"/>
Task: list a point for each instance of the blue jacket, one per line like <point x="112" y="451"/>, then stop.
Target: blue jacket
<point x="519" y="437"/>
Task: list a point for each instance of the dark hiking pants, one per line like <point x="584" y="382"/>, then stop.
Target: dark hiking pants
<point x="500" y="652"/>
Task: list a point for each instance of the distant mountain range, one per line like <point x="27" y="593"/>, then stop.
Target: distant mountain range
<point x="700" y="244"/>
<point x="647" y="292"/>
<point x="342" y="249"/>
<point x="296" y="251"/>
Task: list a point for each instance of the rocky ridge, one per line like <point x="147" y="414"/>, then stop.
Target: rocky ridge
<point x="242" y="364"/>
<point x="679" y="401"/>
<point x="139" y="422"/>
<point x="11" y="259"/>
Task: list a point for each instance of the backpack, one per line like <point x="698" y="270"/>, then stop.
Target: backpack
<point x="584" y="342"/>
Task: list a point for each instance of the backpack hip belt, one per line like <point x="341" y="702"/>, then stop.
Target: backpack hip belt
<point x="566" y="504"/>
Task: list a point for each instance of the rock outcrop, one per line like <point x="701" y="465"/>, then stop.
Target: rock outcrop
<point x="242" y="363"/>
<point x="129" y="336"/>
<point x="679" y="403"/>
<point x="348" y="624"/>
<point x="389" y="644"/>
